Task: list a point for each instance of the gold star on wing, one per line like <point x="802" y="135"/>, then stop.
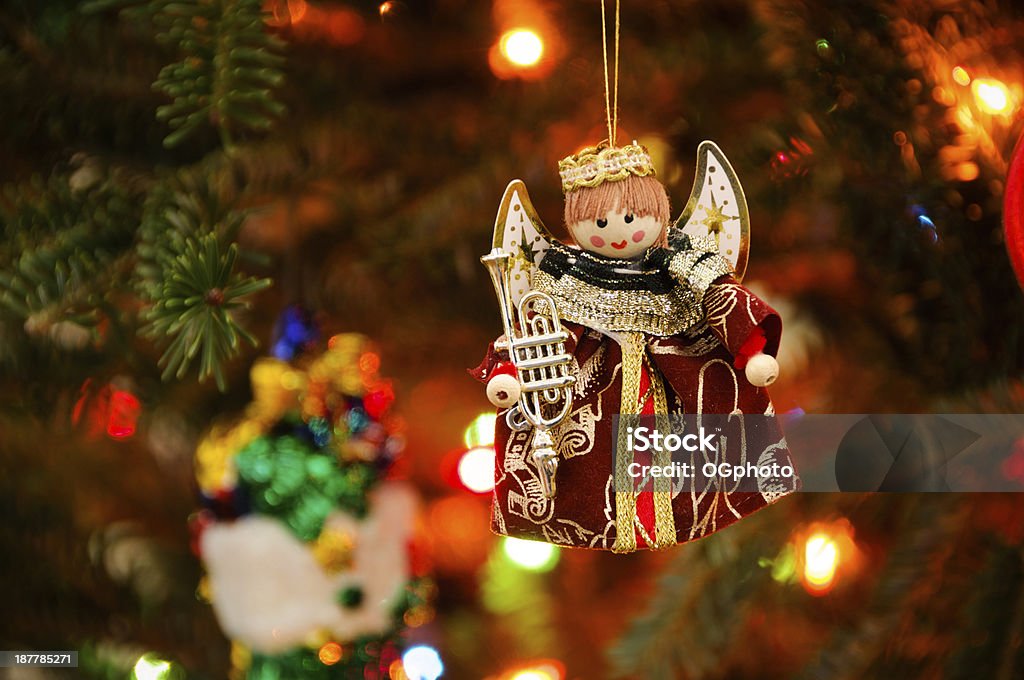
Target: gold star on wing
<point x="525" y="253"/>
<point x="715" y="219"/>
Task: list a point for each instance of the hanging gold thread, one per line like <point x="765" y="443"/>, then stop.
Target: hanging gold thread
<point x="611" y="93"/>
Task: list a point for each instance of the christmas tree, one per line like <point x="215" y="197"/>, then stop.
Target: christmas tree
<point x="180" y="171"/>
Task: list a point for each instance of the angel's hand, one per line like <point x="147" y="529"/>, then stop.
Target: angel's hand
<point x="503" y="388"/>
<point x="761" y="370"/>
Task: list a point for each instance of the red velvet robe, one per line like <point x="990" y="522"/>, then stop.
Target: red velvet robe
<point x="696" y="370"/>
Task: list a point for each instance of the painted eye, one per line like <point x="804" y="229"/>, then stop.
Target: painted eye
<point x="602" y="223"/>
<point x="628" y="218"/>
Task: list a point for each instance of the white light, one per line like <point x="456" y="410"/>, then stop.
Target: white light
<point x="476" y="469"/>
<point x="531" y="555"/>
<point x="422" y="663"/>
<point x="522" y="47"/>
<point x="992" y="95"/>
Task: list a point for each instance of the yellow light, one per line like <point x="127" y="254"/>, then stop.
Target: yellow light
<point x="481" y="431"/>
<point x="530" y="555"/>
<point x="150" y="667"/>
<point x="543" y="669"/>
<point x="522" y="47"/>
<point x="821" y="557"/>
<point x="532" y="674"/>
<point x="961" y="76"/>
<point x="476" y="469"/>
<point x="991" y="95"/>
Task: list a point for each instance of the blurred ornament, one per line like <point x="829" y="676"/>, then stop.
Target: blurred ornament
<point x="311" y="561"/>
<point x="1013" y="212"/>
<point x="109" y="410"/>
<point x="123" y="414"/>
<point x="793" y="161"/>
<point x="296" y="331"/>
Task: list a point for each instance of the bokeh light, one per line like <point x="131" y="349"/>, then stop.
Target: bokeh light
<point x="821" y="557"/>
<point x="825" y="554"/>
<point x="992" y="96"/>
<point x="476" y="469"/>
<point x="480" y="432"/>
<point x="422" y="663"/>
<point x="530" y="555"/>
<point x="961" y="76"/>
<point x="151" y="667"/>
<point x="522" y="47"/>
<point x="330" y="653"/>
<point x="543" y="669"/>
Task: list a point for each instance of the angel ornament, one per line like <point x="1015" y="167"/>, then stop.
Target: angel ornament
<point x="639" y="317"/>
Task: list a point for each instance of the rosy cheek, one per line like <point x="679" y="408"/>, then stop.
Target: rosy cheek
<point x="638" y="236"/>
<point x="597" y="241"/>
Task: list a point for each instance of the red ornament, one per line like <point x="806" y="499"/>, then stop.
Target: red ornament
<point x="108" y="409"/>
<point x="1013" y="212"/>
<point x="379" y="400"/>
<point x="122" y="414"/>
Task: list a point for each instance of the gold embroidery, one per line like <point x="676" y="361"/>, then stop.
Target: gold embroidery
<point x="633" y="346"/>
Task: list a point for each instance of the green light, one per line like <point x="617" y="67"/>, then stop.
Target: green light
<point x="481" y="431"/>
<point x="151" y="667"/>
<point x="823" y="47"/>
<point x="530" y="555"/>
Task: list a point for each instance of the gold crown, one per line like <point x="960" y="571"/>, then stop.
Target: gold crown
<point x="602" y="163"/>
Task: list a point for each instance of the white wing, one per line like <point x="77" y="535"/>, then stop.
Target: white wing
<point x="718" y="208"/>
<point x="518" y="230"/>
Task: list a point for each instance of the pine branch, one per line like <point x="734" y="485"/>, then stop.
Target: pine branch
<point x="909" y="582"/>
<point x="703" y="598"/>
<point x="196" y="307"/>
<point x="64" y="242"/>
<point x="996" y="607"/>
<point x="228" y="72"/>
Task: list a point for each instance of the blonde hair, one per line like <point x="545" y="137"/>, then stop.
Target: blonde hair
<point x="641" y="196"/>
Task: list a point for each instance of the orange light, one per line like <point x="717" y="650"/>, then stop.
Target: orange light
<point x="386" y="8"/>
<point x="396" y="671"/>
<point x="825" y="552"/>
<point x="522" y="47"/>
<point x="330" y="653"/>
<point x="992" y="96"/>
<point x="284" y="12"/>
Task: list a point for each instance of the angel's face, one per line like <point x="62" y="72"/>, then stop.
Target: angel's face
<point x="620" y="235"/>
